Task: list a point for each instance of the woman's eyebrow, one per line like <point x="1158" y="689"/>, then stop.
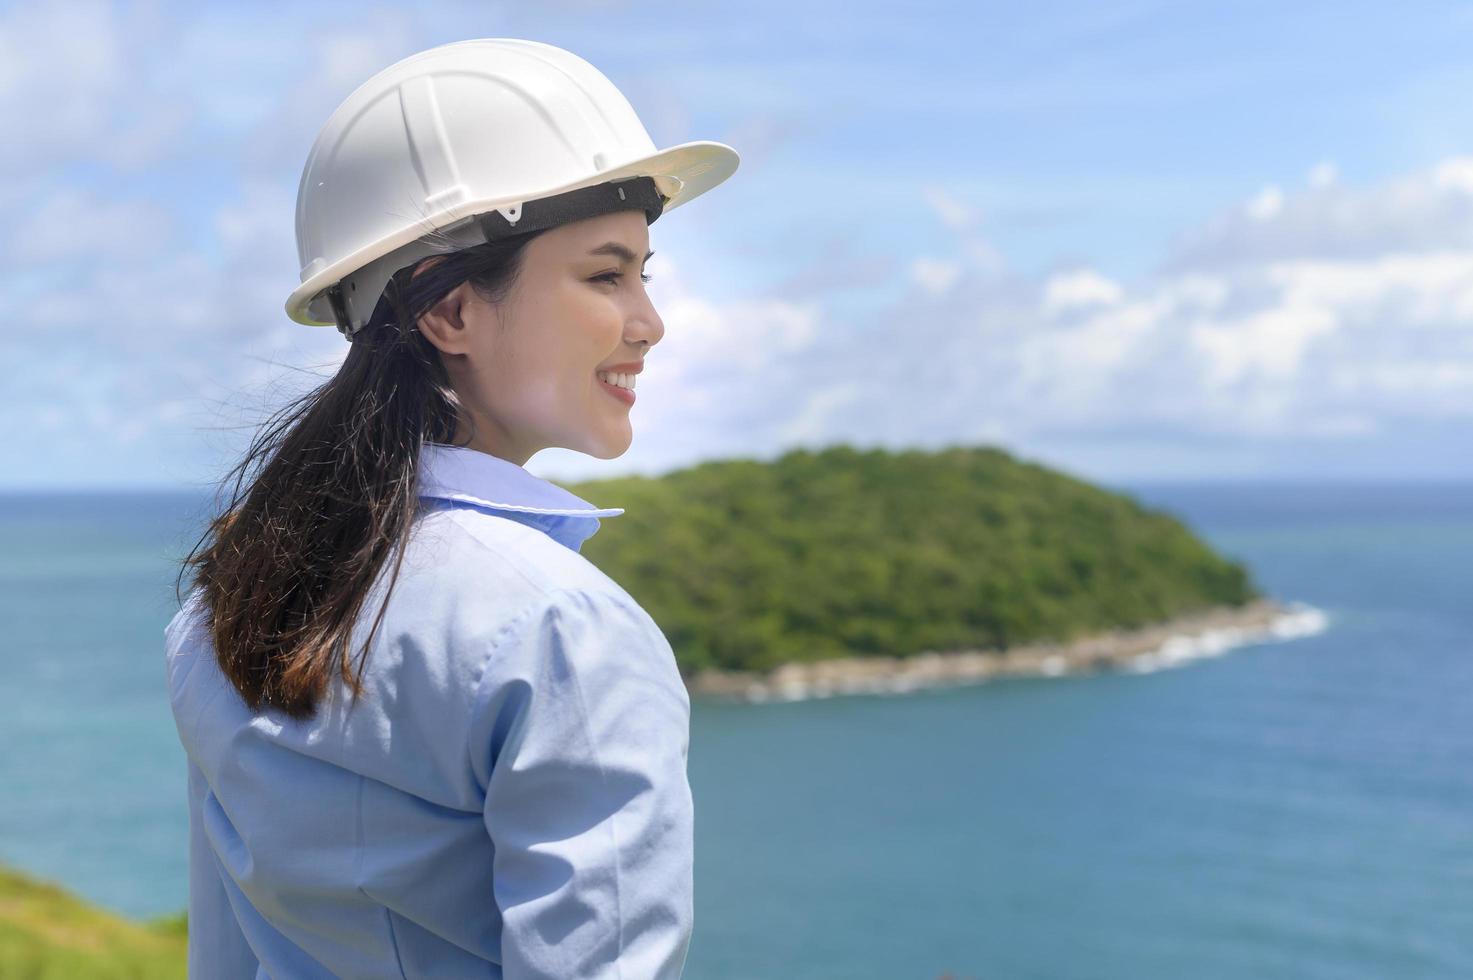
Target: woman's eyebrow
<point x="616" y="249"/>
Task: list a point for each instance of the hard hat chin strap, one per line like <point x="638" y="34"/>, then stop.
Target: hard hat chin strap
<point x="352" y="300"/>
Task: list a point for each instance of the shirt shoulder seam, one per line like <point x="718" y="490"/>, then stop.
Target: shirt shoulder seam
<point x="555" y="608"/>
<point x="603" y="776"/>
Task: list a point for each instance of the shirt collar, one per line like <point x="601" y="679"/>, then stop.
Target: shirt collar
<point x="471" y="476"/>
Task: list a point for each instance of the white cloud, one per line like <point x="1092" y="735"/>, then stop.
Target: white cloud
<point x="146" y="218"/>
<point x="1323" y="175"/>
<point x="1266" y="204"/>
<point x="1402" y="290"/>
<point x="1271" y="341"/>
<point x="954" y="212"/>
<point x="1291" y="346"/>
<point x="934" y="275"/>
<point x="62" y="75"/>
<point x="1455" y="176"/>
<point x="1079" y="290"/>
<point x="1420" y="212"/>
<point x="964" y="220"/>
<point x="75" y="223"/>
<point x="815" y="417"/>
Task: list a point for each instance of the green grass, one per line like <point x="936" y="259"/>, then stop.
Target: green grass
<point x="47" y="933"/>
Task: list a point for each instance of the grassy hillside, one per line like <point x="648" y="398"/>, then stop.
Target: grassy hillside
<point x="747" y="564"/>
<point x="48" y="934"/>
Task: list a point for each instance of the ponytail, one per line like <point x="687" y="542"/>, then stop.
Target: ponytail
<point x="329" y="489"/>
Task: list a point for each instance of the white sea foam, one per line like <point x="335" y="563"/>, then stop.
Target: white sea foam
<point x="1301" y="620"/>
<point x="1055" y="665"/>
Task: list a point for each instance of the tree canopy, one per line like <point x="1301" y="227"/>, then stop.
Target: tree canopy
<point x="747" y="565"/>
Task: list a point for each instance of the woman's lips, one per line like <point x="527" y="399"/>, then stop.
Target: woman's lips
<point x="625" y="395"/>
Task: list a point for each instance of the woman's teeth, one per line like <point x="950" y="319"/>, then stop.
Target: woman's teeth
<point x="622" y="380"/>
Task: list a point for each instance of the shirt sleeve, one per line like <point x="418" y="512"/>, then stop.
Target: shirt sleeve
<point x="581" y="740"/>
<point x="216" y="946"/>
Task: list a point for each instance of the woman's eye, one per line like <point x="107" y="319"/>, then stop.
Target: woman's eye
<point x="612" y="278"/>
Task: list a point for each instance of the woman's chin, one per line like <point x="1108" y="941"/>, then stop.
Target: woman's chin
<point x="610" y="445"/>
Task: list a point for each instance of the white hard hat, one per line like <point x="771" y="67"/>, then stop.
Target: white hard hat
<point x="464" y="142"/>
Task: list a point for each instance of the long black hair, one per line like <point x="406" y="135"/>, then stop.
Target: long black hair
<point x="328" y="490"/>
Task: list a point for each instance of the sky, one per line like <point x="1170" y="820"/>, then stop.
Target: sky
<point x="1129" y="241"/>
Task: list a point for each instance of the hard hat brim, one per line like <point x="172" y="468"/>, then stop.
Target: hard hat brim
<point x="695" y="167"/>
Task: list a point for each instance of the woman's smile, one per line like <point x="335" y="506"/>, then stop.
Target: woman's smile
<point x="626" y="395"/>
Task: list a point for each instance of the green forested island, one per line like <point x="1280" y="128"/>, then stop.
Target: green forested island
<point x="747" y="565"/>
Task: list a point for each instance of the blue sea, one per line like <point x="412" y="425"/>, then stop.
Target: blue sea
<point x="1300" y="808"/>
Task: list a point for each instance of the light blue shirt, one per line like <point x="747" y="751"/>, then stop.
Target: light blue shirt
<point x="507" y="800"/>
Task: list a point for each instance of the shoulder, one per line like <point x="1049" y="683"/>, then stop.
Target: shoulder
<point x="184" y="636"/>
<point x="476" y="588"/>
<point x="452" y="542"/>
<point x="581" y="675"/>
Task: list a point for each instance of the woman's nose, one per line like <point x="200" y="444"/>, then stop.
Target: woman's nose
<point x="647" y="325"/>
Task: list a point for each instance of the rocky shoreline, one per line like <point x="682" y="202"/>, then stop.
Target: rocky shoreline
<point x="1202" y="634"/>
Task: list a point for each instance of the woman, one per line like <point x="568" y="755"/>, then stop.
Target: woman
<point x="425" y="736"/>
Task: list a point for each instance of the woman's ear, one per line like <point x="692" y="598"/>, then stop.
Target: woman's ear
<point x="444" y="325"/>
